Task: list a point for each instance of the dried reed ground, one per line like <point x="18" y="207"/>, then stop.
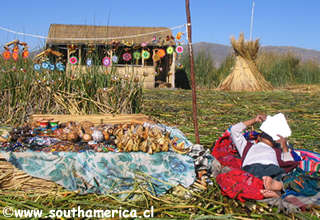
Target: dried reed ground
<point x="217" y="110"/>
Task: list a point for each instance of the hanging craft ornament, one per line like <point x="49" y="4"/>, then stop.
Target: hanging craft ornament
<point x="179" y="66"/>
<point x="126" y="56"/>
<point x="145" y="54"/>
<point x="89" y="62"/>
<point x="51" y="67"/>
<point x="6" y="55"/>
<point x="45" y="65"/>
<point x="156" y="57"/>
<point x="170" y="50"/>
<point x="106" y="61"/>
<point x="161" y="53"/>
<point x="179" y="35"/>
<point x="136" y="55"/>
<point x="115" y="59"/>
<point x="179" y="49"/>
<point x="144" y="44"/>
<point x="73" y="60"/>
<point x="15" y="56"/>
<point x="60" y="66"/>
<point x="36" y="67"/>
<point x="25" y="53"/>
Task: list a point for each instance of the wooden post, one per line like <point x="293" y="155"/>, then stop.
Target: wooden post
<point x="193" y="83"/>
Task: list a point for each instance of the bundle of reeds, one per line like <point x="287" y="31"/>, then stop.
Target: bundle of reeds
<point x="245" y="75"/>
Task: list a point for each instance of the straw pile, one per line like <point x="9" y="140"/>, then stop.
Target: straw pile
<point x="12" y="178"/>
<point x="245" y="75"/>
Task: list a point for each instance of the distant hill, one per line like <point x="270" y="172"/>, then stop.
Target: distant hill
<point x="219" y="51"/>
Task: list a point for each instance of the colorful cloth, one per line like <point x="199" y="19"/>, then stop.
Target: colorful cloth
<point x="225" y="151"/>
<point x="301" y="183"/>
<point x="240" y="184"/>
<point x="92" y="172"/>
<point x="309" y="161"/>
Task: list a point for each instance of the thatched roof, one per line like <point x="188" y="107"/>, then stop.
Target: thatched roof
<point x="76" y="34"/>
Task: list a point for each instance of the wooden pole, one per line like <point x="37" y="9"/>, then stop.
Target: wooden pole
<point x="193" y="83"/>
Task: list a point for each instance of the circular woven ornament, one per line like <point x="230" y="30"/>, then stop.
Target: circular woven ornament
<point x="179" y="49"/>
<point x="136" y="55"/>
<point x="145" y="54"/>
<point x="161" y="53"/>
<point x="106" y="61"/>
<point x="51" y="67"/>
<point x="89" y="62"/>
<point x="6" y="55"/>
<point x="45" y="65"/>
<point x="170" y="50"/>
<point x="36" y="67"/>
<point x="73" y="60"/>
<point x="126" y="56"/>
<point x="60" y="66"/>
<point x="115" y="59"/>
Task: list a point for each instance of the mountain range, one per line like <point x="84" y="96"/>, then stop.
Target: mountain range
<point x="219" y="52"/>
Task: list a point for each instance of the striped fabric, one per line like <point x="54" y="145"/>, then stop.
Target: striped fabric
<point x="310" y="161"/>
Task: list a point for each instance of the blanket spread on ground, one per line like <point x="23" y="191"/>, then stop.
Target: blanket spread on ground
<point x="111" y="172"/>
<point x="92" y="172"/>
<point x="225" y="152"/>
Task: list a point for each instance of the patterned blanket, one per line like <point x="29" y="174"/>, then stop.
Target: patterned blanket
<point x="92" y="172"/>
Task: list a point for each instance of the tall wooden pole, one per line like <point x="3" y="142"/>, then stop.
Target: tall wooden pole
<point x="193" y="83"/>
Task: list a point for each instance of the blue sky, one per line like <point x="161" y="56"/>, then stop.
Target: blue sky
<point x="276" y="22"/>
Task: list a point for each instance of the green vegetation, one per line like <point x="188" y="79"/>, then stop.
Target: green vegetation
<point x="279" y="70"/>
<point x="24" y="91"/>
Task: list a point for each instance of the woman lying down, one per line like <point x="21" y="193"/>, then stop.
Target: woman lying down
<point x="263" y="159"/>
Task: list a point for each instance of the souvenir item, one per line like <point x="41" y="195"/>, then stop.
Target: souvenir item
<point x="145" y="54"/>
<point x="73" y="60"/>
<point x="106" y="61"/>
<point x="170" y="50"/>
<point x="51" y="67"/>
<point x="6" y="55"/>
<point x="137" y="55"/>
<point x="115" y="59"/>
<point x="97" y="135"/>
<point x="15" y="56"/>
<point x="161" y="53"/>
<point x="179" y="35"/>
<point x="60" y="66"/>
<point x="36" y="67"/>
<point x="25" y="54"/>
<point x="89" y="62"/>
<point x="179" y="49"/>
<point x="126" y="56"/>
<point x="45" y="65"/>
<point x="156" y="57"/>
<point x="144" y="44"/>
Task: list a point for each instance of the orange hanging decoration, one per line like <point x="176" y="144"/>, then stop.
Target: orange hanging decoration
<point x="6" y="55"/>
<point x="15" y="56"/>
<point x="161" y="53"/>
<point x="179" y="35"/>
<point x="25" y="53"/>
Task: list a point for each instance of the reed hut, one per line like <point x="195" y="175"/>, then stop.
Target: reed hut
<point x="147" y="52"/>
<point x="245" y="75"/>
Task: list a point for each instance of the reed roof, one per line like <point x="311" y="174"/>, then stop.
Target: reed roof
<point x="79" y="34"/>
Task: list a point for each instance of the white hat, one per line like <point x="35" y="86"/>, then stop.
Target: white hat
<point x="276" y="125"/>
